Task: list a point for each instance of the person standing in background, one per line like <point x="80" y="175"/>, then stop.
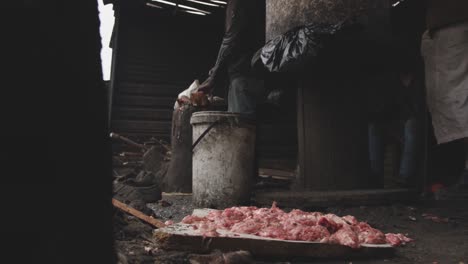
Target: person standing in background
<point x="444" y="48"/>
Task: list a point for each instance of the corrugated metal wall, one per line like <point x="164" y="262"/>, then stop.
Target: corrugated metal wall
<point x="158" y="55"/>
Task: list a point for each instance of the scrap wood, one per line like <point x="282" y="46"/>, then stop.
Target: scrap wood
<point x="148" y="219"/>
<point x="128" y="141"/>
<point x="164" y="146"/>
<point x="131" y="163"/>
<point x="131" y="154"/>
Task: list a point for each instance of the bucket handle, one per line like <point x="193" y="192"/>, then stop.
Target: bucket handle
<point x="206" y="131"/>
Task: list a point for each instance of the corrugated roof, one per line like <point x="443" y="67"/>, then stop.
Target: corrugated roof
<point x="194" y="7"/>
<point x="157" y="56"/>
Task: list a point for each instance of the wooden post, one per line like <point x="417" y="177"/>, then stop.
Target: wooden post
<point x="332" y="129"/>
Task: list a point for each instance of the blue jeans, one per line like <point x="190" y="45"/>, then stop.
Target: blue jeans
<point x="410" y="155"/>
<point x="412" y="141"/>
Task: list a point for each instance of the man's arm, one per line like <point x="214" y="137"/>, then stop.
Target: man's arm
<point x="236" y="22"/>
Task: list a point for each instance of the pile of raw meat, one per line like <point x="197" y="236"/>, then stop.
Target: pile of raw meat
<point x="295" y="225"/>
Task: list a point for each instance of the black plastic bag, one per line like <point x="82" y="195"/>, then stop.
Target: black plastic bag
<point x="297" y="47"/>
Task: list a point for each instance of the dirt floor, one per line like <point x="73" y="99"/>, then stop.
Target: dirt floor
<point x="444" y="241"/>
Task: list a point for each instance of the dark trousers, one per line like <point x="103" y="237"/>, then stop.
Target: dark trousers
<point x="412" y="138"/>
<point x="244" y="94"/>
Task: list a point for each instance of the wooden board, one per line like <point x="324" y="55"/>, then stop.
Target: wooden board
<point x="148" y="219"/>
<point x="316" y="199"/>
<point x="183" y="238"/>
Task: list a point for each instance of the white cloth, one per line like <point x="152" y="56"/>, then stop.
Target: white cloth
<point x="193" y="88"/>
<point x="446" y="64"/>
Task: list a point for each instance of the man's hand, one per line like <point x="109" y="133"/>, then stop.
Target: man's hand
<point x="211" y="71"/>
<point x="207" y="86"/>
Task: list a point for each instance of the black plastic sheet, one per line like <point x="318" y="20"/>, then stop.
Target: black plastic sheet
<point x="297" y="47"/>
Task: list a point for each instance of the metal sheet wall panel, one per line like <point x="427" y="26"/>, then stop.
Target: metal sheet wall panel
<point x="158" y="55"/>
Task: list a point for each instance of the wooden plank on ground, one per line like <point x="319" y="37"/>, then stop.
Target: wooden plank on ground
<point x="183" y="238"/>
<point x="314" y="199"/>
<point x="148" y="219"/>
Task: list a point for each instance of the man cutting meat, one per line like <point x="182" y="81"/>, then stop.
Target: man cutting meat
<point x="243" y="36"/>
<point x="445" y="51"/>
